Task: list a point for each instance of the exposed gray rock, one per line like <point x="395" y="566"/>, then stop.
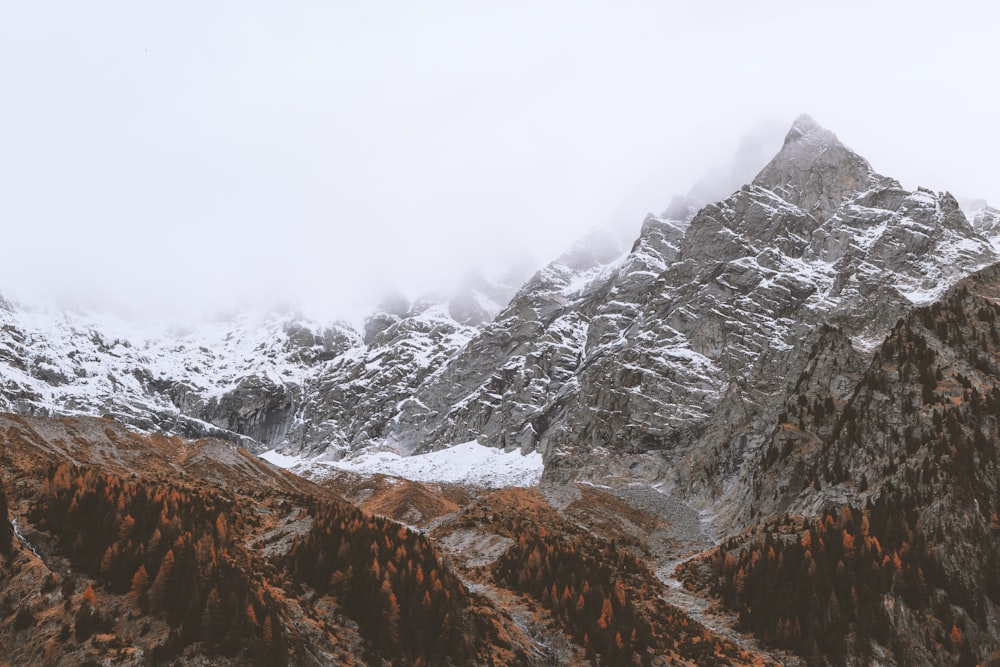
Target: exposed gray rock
<point x="257" y="408"/>
<point x="504" y="385"/>
<point x="816" y="173"/>
<point x="671" y="360"/>
<point x="702" y="373"/>
<point x="352" y="400"/>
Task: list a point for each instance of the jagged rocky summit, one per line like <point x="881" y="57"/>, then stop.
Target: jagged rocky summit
<point x="670" y="360"/>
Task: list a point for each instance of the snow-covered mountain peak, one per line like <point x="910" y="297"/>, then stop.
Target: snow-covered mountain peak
<point x="680" y="208"/>
<point x="478" y="299"/>
<point x="806" y="126"/>
<point x="611" y="348"/>
<point x="597" y="248"/>
<point x="816" y="172"/>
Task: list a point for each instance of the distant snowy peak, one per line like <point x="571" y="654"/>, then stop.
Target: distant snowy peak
<point x="681" y="210"/>
<point x="593" y="252"/>
<point x="247" y="377"/>
<point x="985" y="220"/>
<point x="56" y="362"/>
<point x="476" y="300"/>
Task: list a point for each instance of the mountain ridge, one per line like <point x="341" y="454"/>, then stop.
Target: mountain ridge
<point x="783" y="401"/>
<point x="812" y="236"/>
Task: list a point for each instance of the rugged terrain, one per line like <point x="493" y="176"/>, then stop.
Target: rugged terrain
<point x="129" y="549"/>
<point x="881" y="539"/>
<point x="606" y="361"/>
<point x="260" y="380"/>
<point x="768" y="432"/>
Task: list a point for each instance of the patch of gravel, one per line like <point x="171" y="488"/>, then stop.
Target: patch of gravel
<point x="279" y="541"/>
<point x="687" y="531"/>
<point x="560" y="496"/>
<point x="475" y="548"/>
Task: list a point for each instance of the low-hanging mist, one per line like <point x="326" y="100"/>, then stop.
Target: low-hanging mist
<point x="177" y="160"/>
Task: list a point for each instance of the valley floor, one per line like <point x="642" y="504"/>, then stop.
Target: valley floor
<point x="664" y="531"/>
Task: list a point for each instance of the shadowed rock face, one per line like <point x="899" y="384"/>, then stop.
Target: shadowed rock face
<point x="256" y="408"/>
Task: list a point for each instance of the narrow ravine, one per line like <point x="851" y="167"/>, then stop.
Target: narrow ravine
<point x="693" y="538"/>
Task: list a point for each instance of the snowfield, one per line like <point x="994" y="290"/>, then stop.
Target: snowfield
<point x="467" y="463"/>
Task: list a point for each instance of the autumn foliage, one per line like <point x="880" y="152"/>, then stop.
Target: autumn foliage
<point x="169" y="548"/>
<point x="580" y="590"/>
<point x="600" y="593"/>
<point x="818" y="586"/>
<point x="410" y="608"/>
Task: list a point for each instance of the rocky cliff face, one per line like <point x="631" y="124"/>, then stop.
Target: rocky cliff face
<point x="902" y="445"/>
<point x="691" y="385"/>
<point x="499" y="387"/>
<point x="670" y="360"/>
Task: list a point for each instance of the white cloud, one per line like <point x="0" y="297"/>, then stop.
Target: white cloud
<point x="195" y="154"/>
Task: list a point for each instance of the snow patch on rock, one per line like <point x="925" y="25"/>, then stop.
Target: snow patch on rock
<point x="467" y="463"/>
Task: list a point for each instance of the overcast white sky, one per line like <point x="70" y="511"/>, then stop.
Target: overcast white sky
<point x="180" y="156"/>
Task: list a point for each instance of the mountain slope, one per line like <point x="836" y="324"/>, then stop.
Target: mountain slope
<point x="160" y="550"/>
<point x="164" y="548"/>
<point x="898" y="481"/>
<point x="705" y="364"/>
<point x="259" y="380"/>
